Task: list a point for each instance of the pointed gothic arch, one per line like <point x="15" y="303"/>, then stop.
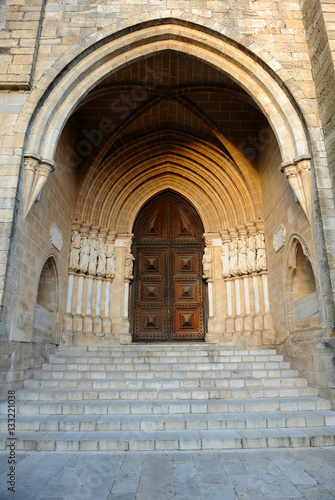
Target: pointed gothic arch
<point x="54" y="106"/>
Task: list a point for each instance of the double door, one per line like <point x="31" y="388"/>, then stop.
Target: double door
<point x="168" y="289"/>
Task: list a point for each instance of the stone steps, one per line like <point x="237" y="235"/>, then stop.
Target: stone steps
<point x="171" y="397"/>
<point x="161" y="349"/>
<point x="173" y="440"/>
<point x="168" y="383"/>
<point x="163" y="374"/>
<point x="156" y="407"/>
<point x="180" y="358"/>
<point x="162" y="394"/>
<point x="182" y="421"/>
<point x="269" y="365"/>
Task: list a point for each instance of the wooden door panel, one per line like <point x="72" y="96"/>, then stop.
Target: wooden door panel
<point x="153" y="228"/>
<point x="186" y="292"/>
<point x="187" y="323"/>
<point x="151" y="324"/>
<point x="152" y="263"/>
<point x="184" y="227"/>
<point x="151" y="309"/>
<point x="151" y="292"/>
<point x="187" y="308"/>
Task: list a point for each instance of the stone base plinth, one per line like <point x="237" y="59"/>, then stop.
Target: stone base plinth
<point x="110" y="339"/>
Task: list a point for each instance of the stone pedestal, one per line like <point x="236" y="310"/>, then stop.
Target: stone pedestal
<point x="78" y="323"/>
<point x="88" y="324"/>
<point x="97" y="324"/>
<point x="68" y="322"/>
<point x="106" y="325"/>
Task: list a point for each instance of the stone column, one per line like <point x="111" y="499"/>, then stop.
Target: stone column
<point x="69" y="294"/>
<point x="68" y="319"/>
<point x="246" y="294"/>
<point x="78" y="319"/>
<point x="238" y="319"/>
<point x="229" y="320"/>
<point x="256" y="293"/>
<point x="106" y="321"/>
<point x="210" y="299"/>
<point x="248" y="319"/>
<point x="97" y="320"/>
<point x="266" y="292"/>
<point x="88" y="320"/>
<point x="258" y="317"/>
<point x="126" y="299"/>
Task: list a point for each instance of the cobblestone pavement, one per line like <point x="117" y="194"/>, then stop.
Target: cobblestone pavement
<point x="217" y="475"/>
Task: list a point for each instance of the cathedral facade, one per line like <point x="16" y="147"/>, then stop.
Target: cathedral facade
<point x="167" y="176"/>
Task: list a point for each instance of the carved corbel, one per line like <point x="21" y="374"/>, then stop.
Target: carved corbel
<point x="304" y="169"/>
<point x="36" y="180"/>
<point x="31" y="163"/>
<point x="299" y="177"/>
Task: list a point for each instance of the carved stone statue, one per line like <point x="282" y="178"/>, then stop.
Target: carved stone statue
<point x="242" y="255"/>
<point x="225" y="260"/>
<point x="207" y="264"/>
<point x="233" y="257"/>
<point x="84" y="253"/>
<point x="128" y="273"/>
<point x="251" y="254"/>
<point x="92" y="267"/>
<point x="75" y="251"/>
<point x="110" y="259"/>
<point x="101" y="269"/>
<point x="261" y="264"/>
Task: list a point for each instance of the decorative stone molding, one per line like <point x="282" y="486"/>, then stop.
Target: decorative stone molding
<point x="298" y="174"/>
<point x="36" y="173"/>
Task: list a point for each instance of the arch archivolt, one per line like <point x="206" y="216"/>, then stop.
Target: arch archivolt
<point x="244" y="169"/>
<point x="201" y="172"/>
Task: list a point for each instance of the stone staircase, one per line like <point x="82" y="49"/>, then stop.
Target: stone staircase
<point x="167" y="397"/>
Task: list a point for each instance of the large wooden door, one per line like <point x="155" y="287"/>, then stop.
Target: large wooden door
<point x="168" y="289"/>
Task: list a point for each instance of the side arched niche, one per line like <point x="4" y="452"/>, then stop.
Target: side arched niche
<point x="302" y="304"/>
<point x="46" y="320"/>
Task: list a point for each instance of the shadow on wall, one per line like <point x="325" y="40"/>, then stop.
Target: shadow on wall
<point x="46" y="326"/>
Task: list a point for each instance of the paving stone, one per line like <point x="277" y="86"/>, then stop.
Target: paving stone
<point x="314" y="492"/>
<point x="156" y="479"/>
<point x="218" y="493"/>
<point x="186" y="481"/>
<point x="249" y="493"/>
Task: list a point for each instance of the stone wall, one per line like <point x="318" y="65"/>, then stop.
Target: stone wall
<point x="281" y="209"/>
<point x="19" y="359"/>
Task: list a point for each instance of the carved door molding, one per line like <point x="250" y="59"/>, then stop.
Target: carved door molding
<point x="168" y="291"/>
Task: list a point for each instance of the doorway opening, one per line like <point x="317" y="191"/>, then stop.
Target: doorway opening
<point x="168" y="292"/>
